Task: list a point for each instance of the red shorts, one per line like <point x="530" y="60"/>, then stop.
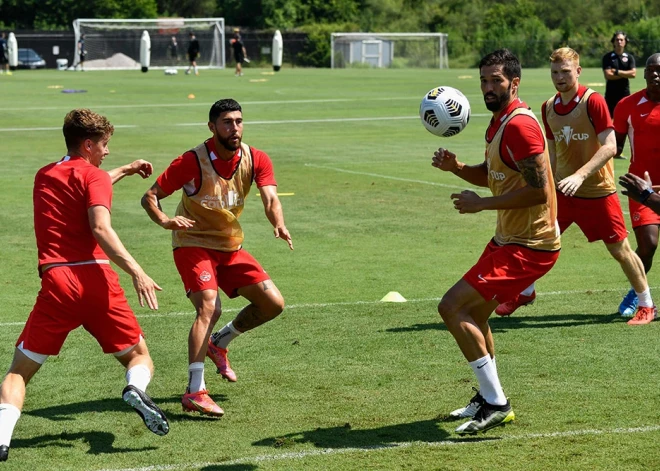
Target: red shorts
<point x="503" y="271"/>
<point x="202" y="269"/>
<point x="87" y="295"/>
<point x="641" y="215"/>
<point x="598" y="218"/>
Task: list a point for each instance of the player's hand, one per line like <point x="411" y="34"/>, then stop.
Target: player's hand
<point x="283" y="233"/>
<point x="467" y="202"/>
<point x="635" y="186"/>
<point x="570" y="185"/>
<point x="146" y="289"/>
<point x="178" y="223"/>
<point x="141" y="167"/>
<point x="444" y="160"/>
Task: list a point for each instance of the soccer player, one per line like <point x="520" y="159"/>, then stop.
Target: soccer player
<point x="75" y="241"/>
<point x="82" y="52"/>
<point x="4" y="55"/>
<point x="618" y="69"/>
<point x="581" y="143"/>
<point x="526" y="243"/>
<point x="638" y="116"/>
<point x="239" y="52"/>
<point x="193" y="53"/>
<point x="216" y="177"/>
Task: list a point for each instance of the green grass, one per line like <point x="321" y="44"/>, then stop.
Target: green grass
<point x="339" y="381"/>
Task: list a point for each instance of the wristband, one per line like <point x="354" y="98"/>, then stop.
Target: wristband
<point x="645" y="195"/>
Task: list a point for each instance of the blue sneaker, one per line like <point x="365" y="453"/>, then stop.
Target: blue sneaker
<point x="628" y="306"/>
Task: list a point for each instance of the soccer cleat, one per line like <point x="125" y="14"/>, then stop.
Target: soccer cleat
<point x="509" y="307"/>
<point x="471" y="408"/>
<point x="152" y="416"/>
<point x="487" y="417"/>
<point x="201" y="402"/>
<point x="628" y="305"/>
<point x="219" y="357"/>
<point x="645" y="315"/>
<point x="4" y="452"/>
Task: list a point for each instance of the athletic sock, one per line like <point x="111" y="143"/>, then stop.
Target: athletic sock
<point x="196" y="377"/>
<point x="225" y="335"/>
<point x="644" y="298"/>
<point x="139" y="376"/>
<point x="489" y="384"/>
<point x="530" y="289"/>
<point x="9" y="415"/>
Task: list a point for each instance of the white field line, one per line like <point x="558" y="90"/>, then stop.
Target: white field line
<point x="349" y="303"/>
<point x="251" y="123"/>
<point x="410" y="180"/>
<point x="396" y="445"/>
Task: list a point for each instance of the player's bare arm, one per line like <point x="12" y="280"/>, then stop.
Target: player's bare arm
<point x="145" y="287"/>
<point x="151" y="204"/>
<point x="572" y="183"/>
<point x="474" y="174"/>
<point x="620" y="141"/>
<point x="273" y="209"/>
<point x="141" y="167"/>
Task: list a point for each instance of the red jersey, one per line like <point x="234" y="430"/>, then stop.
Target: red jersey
<point x="639" y="117"/>
<point x="522" y="136"/>
<point x="63" y="192"/>
<point x="599" y="115"/>
<point x="185" y="170"/>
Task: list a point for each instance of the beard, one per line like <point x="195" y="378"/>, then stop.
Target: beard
<point x="500" y="101"/>
<point x="226" y="142"/>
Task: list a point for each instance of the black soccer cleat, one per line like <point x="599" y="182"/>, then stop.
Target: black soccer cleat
<point x="4" y="452"/>
<point x="152" y="416"/>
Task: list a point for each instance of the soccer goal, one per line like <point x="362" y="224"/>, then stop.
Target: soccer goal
<point x="394" y="50"/>
<point x="115" y="43"/>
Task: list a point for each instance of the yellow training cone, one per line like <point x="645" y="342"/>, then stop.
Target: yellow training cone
<point x="393" y="297"/>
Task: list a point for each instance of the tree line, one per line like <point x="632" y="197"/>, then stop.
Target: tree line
<point x="529" y="27"/>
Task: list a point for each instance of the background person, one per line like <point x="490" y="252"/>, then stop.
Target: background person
<point x="638" y="116"/>
<point x="526" y="242"/>
<point x="618" y="69"/>
<point x="193" y="53"/>
<point x="75" y="243"/>
<point x="581" y="144"/>
<point x="216" y="177"/>
<point x="240" y="55"/>
<point x="174" y="50"/>
<point x="4" y="55"/>
<point x="82" y="52"/>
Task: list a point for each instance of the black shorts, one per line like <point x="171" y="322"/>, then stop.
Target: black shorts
<point x="240" y="58"/>
<point x="192" y="57"/>
<point x="3" y="59"/>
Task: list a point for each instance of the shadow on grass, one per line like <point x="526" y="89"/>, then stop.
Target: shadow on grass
<point x="64" y="412"/>
<point x="520" y="321"/>
<point x="391" y="436"/>
<point x="99" y="442"/>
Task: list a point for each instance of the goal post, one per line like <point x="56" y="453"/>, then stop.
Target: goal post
<point x="393" y="50"/>
<point x="115" y="43"/>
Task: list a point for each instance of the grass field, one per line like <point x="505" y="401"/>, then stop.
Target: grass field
<point x="340" y="381"/>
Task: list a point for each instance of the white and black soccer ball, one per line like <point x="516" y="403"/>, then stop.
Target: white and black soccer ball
<point x="444" y="111"/>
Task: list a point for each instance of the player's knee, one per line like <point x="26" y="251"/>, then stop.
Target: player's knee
<point x="447" y="308"/>
<point x="274" y="308"/>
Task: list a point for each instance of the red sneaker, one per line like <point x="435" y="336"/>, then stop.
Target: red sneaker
<point x="644" y="315"/>
<point x="219" y="357"/>
<point x="509" y="307"/>
<point x="201" y="402"/>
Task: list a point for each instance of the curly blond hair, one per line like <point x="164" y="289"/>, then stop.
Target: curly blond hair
<point x="81" y="124"/>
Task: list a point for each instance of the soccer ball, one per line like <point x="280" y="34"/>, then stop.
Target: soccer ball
<point x="445" y="111"/>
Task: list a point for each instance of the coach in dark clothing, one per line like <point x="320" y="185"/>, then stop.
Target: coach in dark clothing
<point x="618" y="68"/>
<point x="193" y="54"/>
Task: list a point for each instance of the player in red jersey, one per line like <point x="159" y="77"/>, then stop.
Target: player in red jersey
<point x="638" y="117"/>
<point x="581" y="143"/>
<point x="526" y="243"/>
<point x="75" y="241"/>
<point x="216" y="177"/>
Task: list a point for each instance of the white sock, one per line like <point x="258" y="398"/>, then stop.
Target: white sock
<point x="225" y="335"/>
<point x="195" y="69"/>
<point x="529" y="290"/>
<point x="139" y="376"/>
<point x="489" y="384"/>
<point x="196" y="377"/>
<point x="644" y="298"/>
<point x="9" y="415"/>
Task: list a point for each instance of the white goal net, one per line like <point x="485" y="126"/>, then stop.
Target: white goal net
<point x="115" y="44"/>
<point x="393" y="50"/>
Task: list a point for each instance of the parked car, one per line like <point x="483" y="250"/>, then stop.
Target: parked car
<point x="29" y="59"/>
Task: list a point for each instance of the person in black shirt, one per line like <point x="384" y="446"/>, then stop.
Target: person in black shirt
<point x="193" y="54"/>
<point x="618" y="68"/>
<point x="4" y="55"/>
<point x="239" y="52"/>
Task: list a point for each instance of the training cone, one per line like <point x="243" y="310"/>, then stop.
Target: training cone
<point x="393" y="297"/>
